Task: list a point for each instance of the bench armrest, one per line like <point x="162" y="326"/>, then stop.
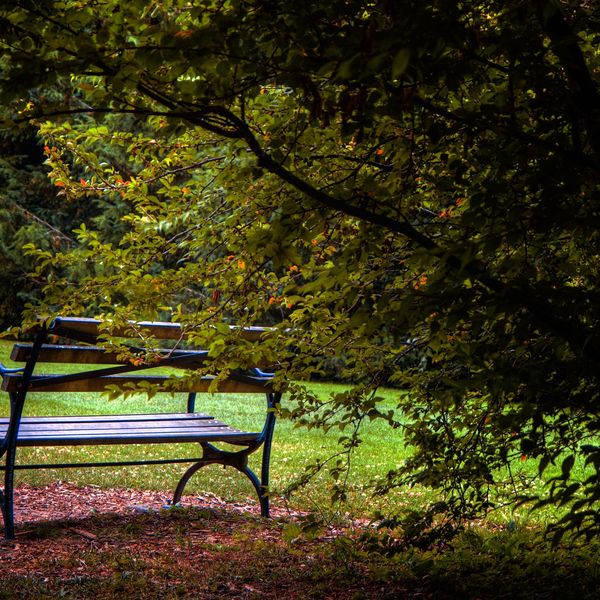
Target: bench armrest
<point x="5" y="370"/>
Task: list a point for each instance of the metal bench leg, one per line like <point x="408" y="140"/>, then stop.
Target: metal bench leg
<point x="237" y="460"/>
<point x="10" y="447"/>
<point x="8" y="495"/>
<point x="273" y="401"/>
<point x="17" y="401"/>
<point x="263" y="498"/>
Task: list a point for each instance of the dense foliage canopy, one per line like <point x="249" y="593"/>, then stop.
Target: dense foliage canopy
<point x="407" y="189"/>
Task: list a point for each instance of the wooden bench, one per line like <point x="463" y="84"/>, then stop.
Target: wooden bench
<point x="123" y="373"/>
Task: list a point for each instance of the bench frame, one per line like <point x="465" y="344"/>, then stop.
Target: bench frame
<point x="19" y="382"/>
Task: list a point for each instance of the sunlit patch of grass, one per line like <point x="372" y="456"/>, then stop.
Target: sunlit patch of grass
<point x="294" y="448"/>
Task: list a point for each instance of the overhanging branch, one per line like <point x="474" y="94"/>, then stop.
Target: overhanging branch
<point x="231" y="126"/>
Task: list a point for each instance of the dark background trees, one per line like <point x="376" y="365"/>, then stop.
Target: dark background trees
<point x="29" y="212"/>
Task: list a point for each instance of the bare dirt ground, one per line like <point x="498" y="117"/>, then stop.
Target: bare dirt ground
<point x="100" y="544"/>
<point x="87" y="542"/>
<point x="63" y="501"/>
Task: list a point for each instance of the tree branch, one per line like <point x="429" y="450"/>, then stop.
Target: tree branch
<point x="44" y="223"/>
<point x="232" y="127"/>
<point x="569" y="328"/>
<point x="563" y="41"/>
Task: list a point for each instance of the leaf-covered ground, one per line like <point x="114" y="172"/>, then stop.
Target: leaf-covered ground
<point x="93" y="543"/>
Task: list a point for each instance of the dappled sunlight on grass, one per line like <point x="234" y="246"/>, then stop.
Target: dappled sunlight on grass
<point x="294" y="449"/>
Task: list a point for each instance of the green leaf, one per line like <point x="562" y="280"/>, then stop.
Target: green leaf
<point x="567" y="466"/>
<point x="291" y="532"/>
<point x="400" y="62"/>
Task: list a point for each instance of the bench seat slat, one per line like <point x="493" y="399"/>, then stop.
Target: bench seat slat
<point x="111" y="418"/>
<point x="124" y="433"/>
<point x="147" y="425"/>
<point x="74" y="431"/>
<point x="164" y="438"/>
<point x="11" y="383"/>
<point x="124" y="429"/>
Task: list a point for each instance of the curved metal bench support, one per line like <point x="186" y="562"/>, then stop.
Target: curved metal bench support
<point x="239" y="460"/>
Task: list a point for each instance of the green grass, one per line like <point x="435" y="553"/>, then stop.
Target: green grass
<point x="293" y="447"/>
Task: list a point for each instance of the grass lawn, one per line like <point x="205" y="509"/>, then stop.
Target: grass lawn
<point x="293" y="448"/>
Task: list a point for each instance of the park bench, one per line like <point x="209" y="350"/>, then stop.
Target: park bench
<point x="106" y="369"/>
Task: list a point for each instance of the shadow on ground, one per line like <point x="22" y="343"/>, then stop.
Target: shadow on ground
<point x="213" y="550"/>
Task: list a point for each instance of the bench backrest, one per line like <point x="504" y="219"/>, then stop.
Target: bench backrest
<point x="121" y="374"/>
<point x="91" y="329"/>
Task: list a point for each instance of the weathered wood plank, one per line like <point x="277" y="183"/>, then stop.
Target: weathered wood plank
<point x="159" y="330"/>
<point x="214" y="435"/>
<point x="125" y="433"/>
<point x="94" y="355"/>
<point x="44" y="383"/>
<point x="114" y="417"/>
<point x="124" y="429"/>
<point x="118" y="426"/>
<point x="50" y="353"/>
